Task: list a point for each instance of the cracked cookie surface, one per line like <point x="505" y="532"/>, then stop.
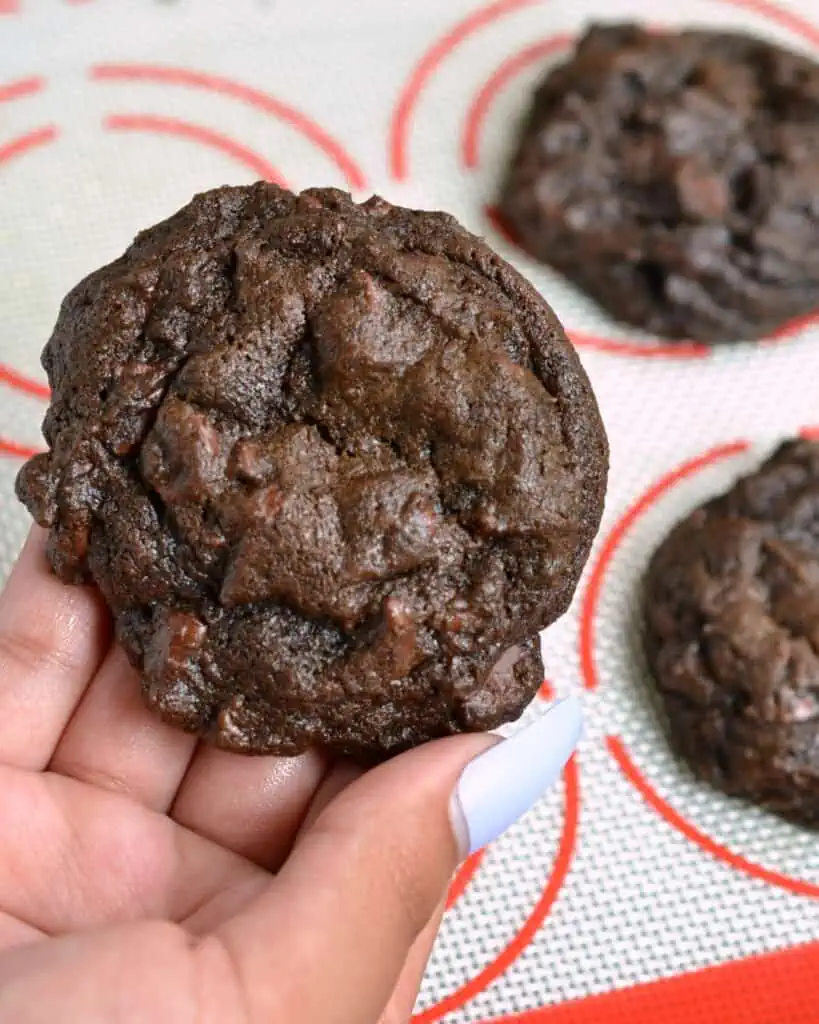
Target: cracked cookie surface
<point x="732" y="634"/>
<point x="333" y="466"/>
<point x="674" y="177"/>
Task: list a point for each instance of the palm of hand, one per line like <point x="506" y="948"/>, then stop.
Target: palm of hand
<point x="112" y="820"/>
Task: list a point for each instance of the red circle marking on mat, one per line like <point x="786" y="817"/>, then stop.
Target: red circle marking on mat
<point x="464" y="876"/>
<point x="503" y="74"/>
<point x="244" y="93"/>
<point x="427" y="65"/>
<point x="591" y="595"/>
<point x="479" y="108"/>
<point x="21" y="88"/>
<point x="588" y="616"/>
<point x="130" y="122"/>
<point x="546" y="691"/>
<point x="531" y="54"/>
<point x="25" y="385"/>
<point x="195" y="133"/>
<point x="487" y="14"/>
<point x="8" y="151"/>
<point x="16" y="451"/>
<point x="679" y="350"/>
<point x="23" y="143"/>
<point x="16" y="6"/>
<point x="721" y="853"/>
<point x="779" y="16"/>
<point x="766" y="988"/>
<point x="648" y="349"/>
<point x="534" y="922"/>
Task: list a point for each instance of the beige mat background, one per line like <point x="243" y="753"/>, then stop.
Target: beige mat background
<point x="113" y="113"/>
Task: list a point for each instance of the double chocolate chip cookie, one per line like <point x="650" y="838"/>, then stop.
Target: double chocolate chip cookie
<point x="675" y="178"/>
<point x="732" y="635"/>
<point x="333" y="466"/>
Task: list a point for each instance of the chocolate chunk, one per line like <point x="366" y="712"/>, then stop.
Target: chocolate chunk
<point x="674" y="177"/>
<point x="327" y="463"/>
<point x="732" y="635"/>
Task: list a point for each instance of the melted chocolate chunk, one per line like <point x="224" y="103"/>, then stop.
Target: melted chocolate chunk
<point x="329" y="465"/>
<point x="732" y="635"/>
<point x="674" y="177"/>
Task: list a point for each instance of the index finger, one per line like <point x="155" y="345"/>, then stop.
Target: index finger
<point x="52" y="640"/>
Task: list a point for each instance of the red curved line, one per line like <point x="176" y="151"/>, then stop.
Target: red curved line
<point x="22" y="87"/>
<point x="508" y="70"/>
<point x="246" y="94"/>
<point x="811" y="433"/>
<point x="513" y="65"/>
<point x="196" y="133"/>
<point x="591" y="595"/>
<point x="16" y="451"/>
<point x="678" y="350"/>
<point x="786" y="19"/>
<point x="464" y="877"/>
<point x="546" y="691"/>
<point x="23" y="143"/>
<point x="428" y="64"/>
<point x="648" y="350"/>
<point x="716" y="850"/>
<point x="793" y="327"/>
<point x="9" y="7"/>
<point x="531" y="926"/>
<point x="25" y="385"/>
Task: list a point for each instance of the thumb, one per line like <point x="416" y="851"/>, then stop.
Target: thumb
<point x="327" y="941"/>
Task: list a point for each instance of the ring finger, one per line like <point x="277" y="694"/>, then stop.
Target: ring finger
<point x="254" y="806"/>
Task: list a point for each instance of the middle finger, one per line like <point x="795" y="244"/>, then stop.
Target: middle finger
<point x="253" y="806"/>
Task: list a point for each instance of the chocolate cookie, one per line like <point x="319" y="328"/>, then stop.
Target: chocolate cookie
<point x="333" y="467"/>
<point x="732" y="635"/>
<point x="675" y="178"/>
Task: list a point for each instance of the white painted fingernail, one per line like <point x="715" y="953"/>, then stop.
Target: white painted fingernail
<point x="501" y="784"/>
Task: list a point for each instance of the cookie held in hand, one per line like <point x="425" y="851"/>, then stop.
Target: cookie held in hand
<point x="332" y="466"/>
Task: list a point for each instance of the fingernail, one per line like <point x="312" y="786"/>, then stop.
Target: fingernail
<point x="501" y="784"/>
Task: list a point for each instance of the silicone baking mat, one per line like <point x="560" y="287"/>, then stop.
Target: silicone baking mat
<point x="632" y="893"/>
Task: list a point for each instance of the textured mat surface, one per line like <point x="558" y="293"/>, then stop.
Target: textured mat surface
<point x="113" y="114"/>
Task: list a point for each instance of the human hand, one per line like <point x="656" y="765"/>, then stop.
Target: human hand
<point x="146" y="877"/>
